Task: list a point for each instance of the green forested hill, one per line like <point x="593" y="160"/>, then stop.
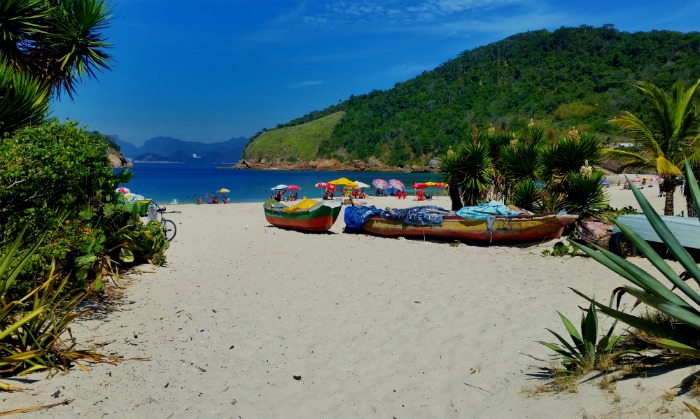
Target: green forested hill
<point x="569" y="77"/>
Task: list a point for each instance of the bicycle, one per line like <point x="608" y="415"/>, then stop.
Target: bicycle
<point x="169" y="228"/>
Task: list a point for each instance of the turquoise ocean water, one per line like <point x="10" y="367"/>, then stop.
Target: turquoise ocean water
<point x="169" y="183"/>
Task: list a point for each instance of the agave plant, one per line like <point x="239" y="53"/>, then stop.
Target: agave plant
<point x="684" y="335"/>
<point x="585" y="352"/>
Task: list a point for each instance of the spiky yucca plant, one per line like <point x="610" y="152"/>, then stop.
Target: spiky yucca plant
<point x="526" y="195"/>
<point x="584" y="194"/>
<point x="31" y="328"/>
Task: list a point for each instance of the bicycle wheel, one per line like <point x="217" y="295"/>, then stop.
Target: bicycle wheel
<point x="152" y="212"/>
<point x="169" y="229"/>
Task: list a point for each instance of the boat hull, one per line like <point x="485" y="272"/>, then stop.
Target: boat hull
<point x="319" y="218"/>
<point x="521" y="229"/>
<point x="685" y="229"/>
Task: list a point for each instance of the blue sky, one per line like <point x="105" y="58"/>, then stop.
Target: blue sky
<point x="210" y="70"/>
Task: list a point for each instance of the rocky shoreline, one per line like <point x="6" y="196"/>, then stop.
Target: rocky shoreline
<point x="117" y="160"/>
<point x="333" y="165"/>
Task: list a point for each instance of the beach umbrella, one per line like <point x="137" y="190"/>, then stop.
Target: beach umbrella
<point x="224" y="190"/>
<point x="321" y="185"/>
<point x="361" y="184"/>
<point x="397" y="184"/>
<point x="123" y="190"/>
<point x="279" y="187"/>
<point x="293" y="188"/>
<point x="330" y="186"/>
<point x="420" y="185"/>
<point x="343" y="181"/>
<point x="380" y="183"/>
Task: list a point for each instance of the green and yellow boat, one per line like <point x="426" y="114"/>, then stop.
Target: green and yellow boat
<point x="306" y="215"/>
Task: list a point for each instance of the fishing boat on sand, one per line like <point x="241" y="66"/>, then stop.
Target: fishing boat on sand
<point x="438" y="223"/>
<point x="306" y="215"/>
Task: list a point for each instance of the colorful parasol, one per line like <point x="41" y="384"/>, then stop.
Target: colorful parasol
<point x="123" y="190"/>
<point x="380" y="183"/>
<point x="397" y="184"/>
<point x="420" y="185"/>
<point x="279" y="187"/>
<point x="343" y="181"/>
<point x="293" y="188"/>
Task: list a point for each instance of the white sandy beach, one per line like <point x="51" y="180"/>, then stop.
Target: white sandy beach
<point x="370" y="328"/>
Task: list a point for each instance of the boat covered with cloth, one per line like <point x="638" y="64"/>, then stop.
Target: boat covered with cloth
<point x="486" y="223"/>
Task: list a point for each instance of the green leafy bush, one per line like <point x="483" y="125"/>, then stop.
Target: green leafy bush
<point x="114" y="234"/>
<point x="55" y="179"/>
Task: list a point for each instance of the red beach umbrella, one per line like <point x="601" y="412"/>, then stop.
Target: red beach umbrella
<point x="419" y="185"/>
<point x="293" y="188"/>
<point x="321" y="185"/>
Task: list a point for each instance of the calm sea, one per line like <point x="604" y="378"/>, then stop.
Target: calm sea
<point x="169" y="183"/>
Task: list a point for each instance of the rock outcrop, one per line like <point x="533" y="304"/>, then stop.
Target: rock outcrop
<point x="117" y="160"/>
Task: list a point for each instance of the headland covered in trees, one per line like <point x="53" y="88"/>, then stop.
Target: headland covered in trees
<point x="571" y="77"/>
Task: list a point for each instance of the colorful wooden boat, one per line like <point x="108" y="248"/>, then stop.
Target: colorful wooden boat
<point x="306" y="215"/>
<point x="500" y="229"/>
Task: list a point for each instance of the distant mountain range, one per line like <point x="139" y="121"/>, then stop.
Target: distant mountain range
<point x="167" y="149"/>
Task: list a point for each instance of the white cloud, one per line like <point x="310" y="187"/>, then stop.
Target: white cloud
<point x="304" y="84"/>
<point x="400" y="12"/>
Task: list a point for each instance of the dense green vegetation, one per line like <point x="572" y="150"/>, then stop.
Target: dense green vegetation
<point x="569" y="77"/>
<point x="525" y="169"/>
<point x="65" y="230"/>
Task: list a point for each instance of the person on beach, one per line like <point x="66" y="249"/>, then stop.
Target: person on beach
<point x="215" y="200"/>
